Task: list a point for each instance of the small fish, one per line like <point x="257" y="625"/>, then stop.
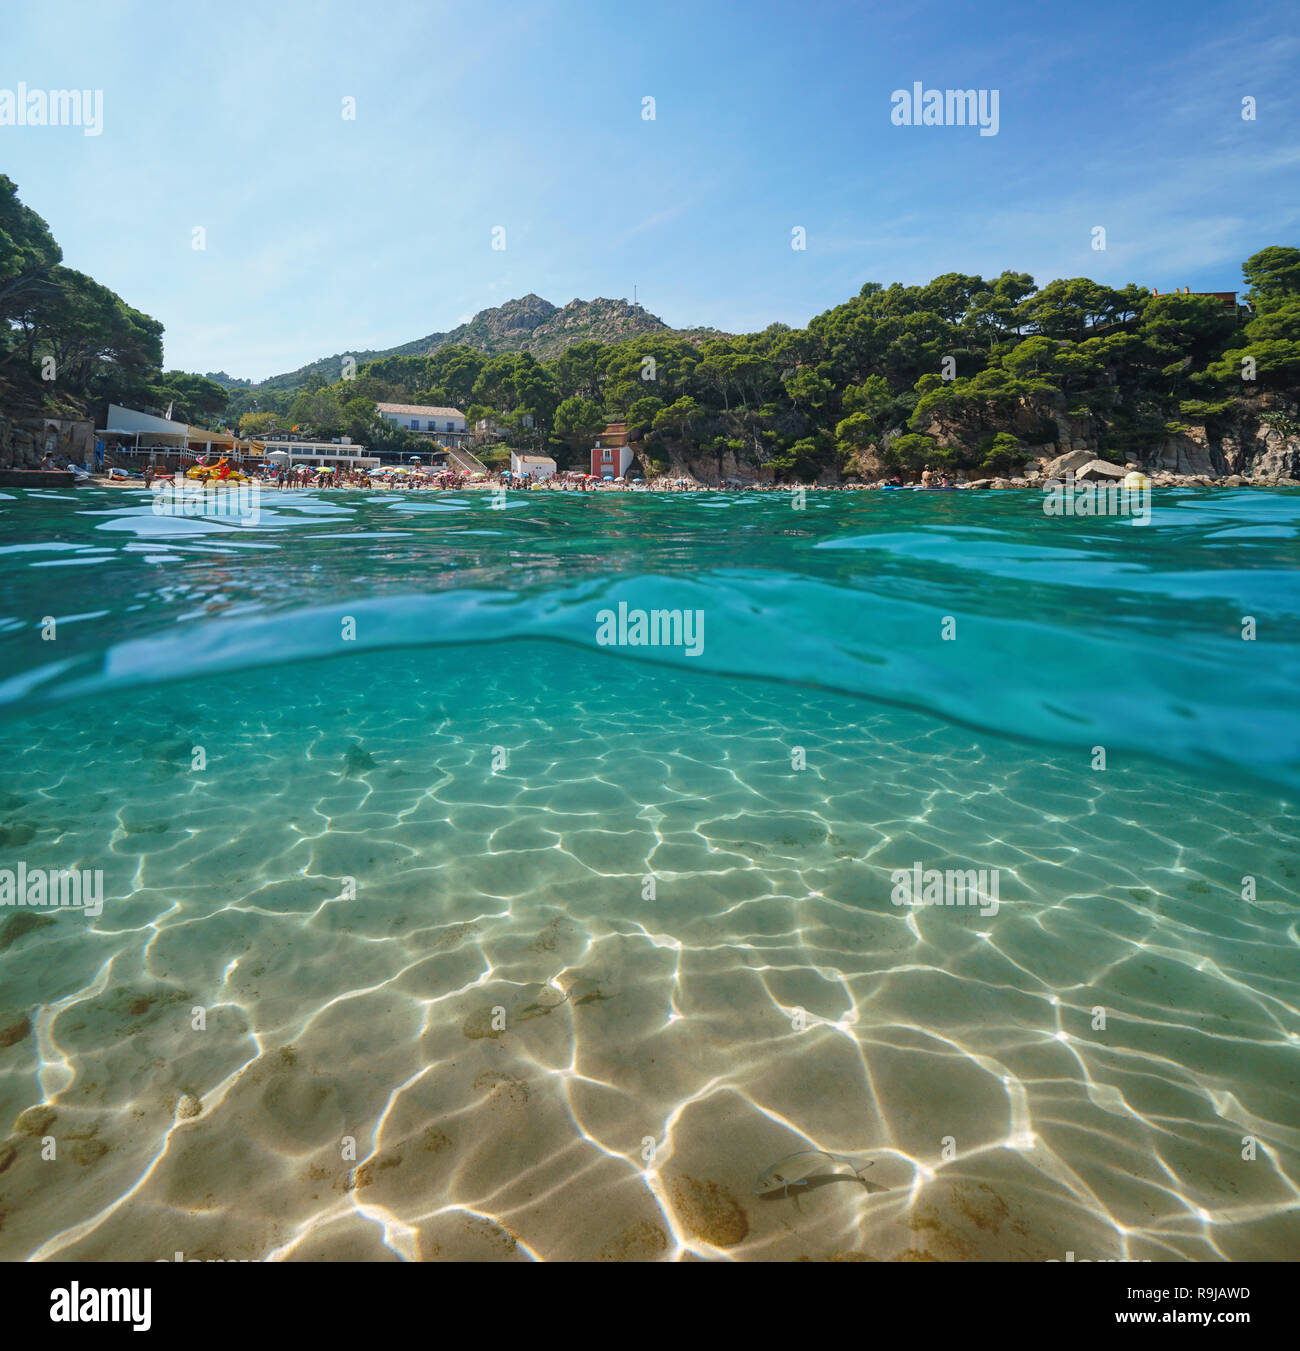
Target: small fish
<point x="535" y="999"/>
<point x="169" y="754"/>
<point x="795" y="1170"/>
<point x="586" y="991"/>
<point x="356" y="759"/>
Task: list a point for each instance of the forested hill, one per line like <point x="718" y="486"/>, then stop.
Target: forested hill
<point x="529" y="324"/>
<point x="975" y="375"/>
<point x="534" y="325"/>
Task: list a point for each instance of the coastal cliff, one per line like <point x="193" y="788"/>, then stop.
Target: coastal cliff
<point x="1257" y="437"/>
<point x="1257" y="440"/>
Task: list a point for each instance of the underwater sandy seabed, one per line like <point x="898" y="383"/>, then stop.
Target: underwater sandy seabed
<point x="667" y="1024"/>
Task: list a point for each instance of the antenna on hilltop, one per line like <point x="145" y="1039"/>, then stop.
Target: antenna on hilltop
<point x="634" y="293"/>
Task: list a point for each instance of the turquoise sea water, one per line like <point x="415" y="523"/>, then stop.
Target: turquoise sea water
<point x="360" y="773"/>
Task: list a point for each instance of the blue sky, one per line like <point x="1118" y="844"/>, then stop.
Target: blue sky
<point x="325" y="235"/>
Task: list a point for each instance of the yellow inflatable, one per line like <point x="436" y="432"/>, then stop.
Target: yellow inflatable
<point x="215" y="473"/>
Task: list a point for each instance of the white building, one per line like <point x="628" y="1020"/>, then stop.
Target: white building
<point x="537" y="466"/>
<point x="134" y="433"/>
<point x="493" y="429"/>
<point x="322" y="453"/>
<point x="446" y="425"/>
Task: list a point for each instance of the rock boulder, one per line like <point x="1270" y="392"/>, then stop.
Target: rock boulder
<point x="1072" y="459"/>
<point x="1098" y="469"/>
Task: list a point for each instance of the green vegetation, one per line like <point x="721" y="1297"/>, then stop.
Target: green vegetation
<point x="67" y="342"/>
<point x="961" y="373"/>
<point x="964" y="372"/>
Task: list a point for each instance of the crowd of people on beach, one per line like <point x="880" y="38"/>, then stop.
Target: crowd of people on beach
<point x="304" y="476"/>
<point x="405" y="478"/>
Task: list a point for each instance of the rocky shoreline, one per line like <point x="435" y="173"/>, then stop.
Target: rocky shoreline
<point x="1257" y="444"/>
<point x="1086" y="468"/>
